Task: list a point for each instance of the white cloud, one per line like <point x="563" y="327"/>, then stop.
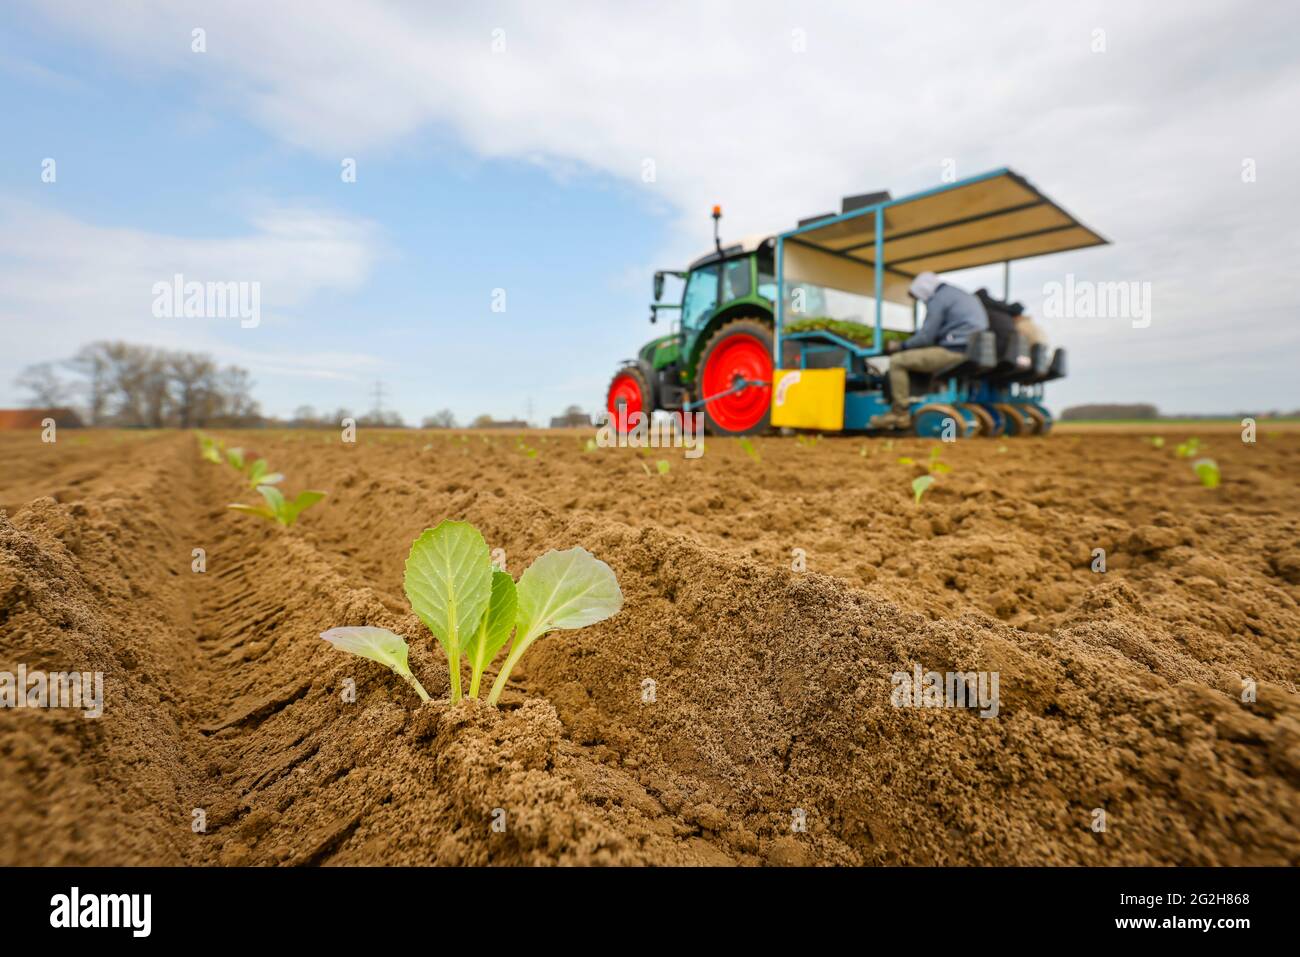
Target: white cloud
<point x="1143" y="141"/>
<point x="64" y="282"/>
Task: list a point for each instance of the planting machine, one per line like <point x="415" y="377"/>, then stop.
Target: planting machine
<point x="761" y="337"/>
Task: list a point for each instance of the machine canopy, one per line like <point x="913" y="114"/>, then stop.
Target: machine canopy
<point x="994" y="218"/>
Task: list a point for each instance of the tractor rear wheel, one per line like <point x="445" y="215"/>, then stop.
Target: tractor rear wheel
<point x="740" y="350"/>
<point x="629" y="392"/>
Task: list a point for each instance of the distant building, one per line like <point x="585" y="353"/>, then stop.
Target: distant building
<point x="504" y="424"/>
<point x="571" y="420"/>
<point x="35" y="418"/>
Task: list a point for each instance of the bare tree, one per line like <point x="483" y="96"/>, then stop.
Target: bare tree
<point x="194" y="381"/>
<point x="93" y="364"/>
<point x="47" y="389"/>
<point x="442" y="419"/>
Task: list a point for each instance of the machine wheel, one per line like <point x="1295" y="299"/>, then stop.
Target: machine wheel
<point x="1016" y="423"/>
<point x="630" y="390"/>
<point x="1048" y="421"/>
<point x="987" y="425"/>
<point x="929" y="421"/>
<point x="999" y="420"/>
<point x="742" y="348"/>
<point x="1040" y="424"/>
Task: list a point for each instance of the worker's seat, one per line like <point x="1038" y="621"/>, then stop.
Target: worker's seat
<point x="1057" y="368"/>
<point x="1013" y="358"/>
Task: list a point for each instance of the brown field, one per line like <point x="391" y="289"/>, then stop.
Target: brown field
<point x="1120" y="691"/>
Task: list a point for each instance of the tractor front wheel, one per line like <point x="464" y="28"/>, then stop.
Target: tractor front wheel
<point x="629" y="392"/>
<point x="734" y="379"/>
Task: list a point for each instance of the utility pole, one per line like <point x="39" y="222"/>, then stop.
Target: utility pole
<point x="378" y="393"/>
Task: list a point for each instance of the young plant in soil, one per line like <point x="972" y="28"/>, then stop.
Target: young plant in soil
<point x="1207" y="470"/>
<point x="210" y="448"/>
<point x="259" y="473"/>
<point x="920" y="485"/>
<point x="277" y="507"/>
<point x="472" y="609"/>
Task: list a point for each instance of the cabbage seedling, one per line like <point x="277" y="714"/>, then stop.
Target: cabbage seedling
<point x="747" y="447"/>
<point x="905" y="460"/>
<point x="277" y="507"/>
<point x="210" y="448"/>
<point x="663" y="465"/>
<point x="259" y="473"/>
<point x="1207" y="470"/>
<point x="920" y="485"/>
<point x="236" y="458"/>
<point x="377" y="644"/>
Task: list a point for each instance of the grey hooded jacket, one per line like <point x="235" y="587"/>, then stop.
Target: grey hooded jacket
<point x="952" y="316"/>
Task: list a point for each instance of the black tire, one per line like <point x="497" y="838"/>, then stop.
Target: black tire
<point x="717" y="421"/>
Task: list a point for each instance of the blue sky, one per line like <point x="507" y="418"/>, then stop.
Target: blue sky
<point x="503" y="146"/>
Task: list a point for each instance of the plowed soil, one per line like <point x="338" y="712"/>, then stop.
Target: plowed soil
<point x="744" y="689"/>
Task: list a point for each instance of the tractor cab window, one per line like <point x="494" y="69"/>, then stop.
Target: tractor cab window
<point x="701" y="295"/>
<point x="735" y="279"/>
<point x="766" y="276"/>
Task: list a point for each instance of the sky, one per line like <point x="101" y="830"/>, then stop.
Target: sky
<point x="521" y="169"/>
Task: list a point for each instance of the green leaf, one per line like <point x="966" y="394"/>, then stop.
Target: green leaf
<point x="377" y="644"/>
<point x="1207" y="470"/>
<point x="940" y="468"/>
<point x="236" y="458"/>
<point x="663" y="465"/>
<point x="569" y="589"/>
<point x="305" y="500"/>
<point x="920" y="485"/>
<point x="747" y="447"/>
<point x="494" y="630"/>
<point x="559" y="590"/>
<point x="905" y="460"/>
<point x="261" y="511"/>
<point x="449" y="583"/>
<point x="275" y="499"/>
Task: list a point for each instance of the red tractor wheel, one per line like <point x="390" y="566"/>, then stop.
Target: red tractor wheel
<point x="629" y="392"/>
<point x="740" y="350"/>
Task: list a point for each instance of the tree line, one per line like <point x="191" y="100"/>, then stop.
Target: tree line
<point x="124" y="385"/>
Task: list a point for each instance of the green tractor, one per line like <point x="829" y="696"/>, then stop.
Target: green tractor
<point x="721" y="348"/>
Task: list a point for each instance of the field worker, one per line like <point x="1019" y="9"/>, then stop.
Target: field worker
<point x="1030" y="331"/>
<point x="952" y="316"/>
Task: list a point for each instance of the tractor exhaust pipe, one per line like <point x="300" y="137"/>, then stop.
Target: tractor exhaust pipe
<point x="717" y="215"/>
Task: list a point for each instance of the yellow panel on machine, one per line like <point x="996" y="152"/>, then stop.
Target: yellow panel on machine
<point x="808" y="399"/>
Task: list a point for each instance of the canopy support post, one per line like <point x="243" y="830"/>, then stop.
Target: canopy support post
<point x="780" y="302"/>
<point x="1006" y="281"/>
<point x="879" y="270"/>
